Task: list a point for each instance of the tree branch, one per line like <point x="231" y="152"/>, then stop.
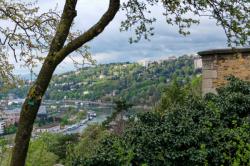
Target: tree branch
<point x="62" y="31"/>
<point x="94" y="31"/>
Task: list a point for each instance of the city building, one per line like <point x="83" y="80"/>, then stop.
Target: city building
<point x="144" y="62"/>
<point x="11" y="96"/>
<point x="218" y="64"/>
<point x="11" y="116"/>
<point x="197" y="63"/>
<point x="49" y="128"/>
<point x="42" y="113"/>
<point x="2" y="126"/>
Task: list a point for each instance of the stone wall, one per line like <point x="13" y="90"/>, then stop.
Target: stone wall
<point x="219" y="64"/>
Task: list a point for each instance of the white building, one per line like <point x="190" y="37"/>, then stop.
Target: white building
<point x="144" y="62"/>
<point x="42" y="110"/>
<point x="197" y="63"/>
<point x="166" y="59"/>
<point x="2" y="126"/>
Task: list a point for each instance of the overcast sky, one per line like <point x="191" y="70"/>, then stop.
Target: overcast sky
<point x="113" y="46"/>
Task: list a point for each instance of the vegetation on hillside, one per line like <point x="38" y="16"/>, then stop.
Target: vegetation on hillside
<point x="131" y="81"/>
<point x="214" y="130"/>
<point x="210" y="130"/>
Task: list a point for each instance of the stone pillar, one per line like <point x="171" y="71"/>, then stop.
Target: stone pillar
<point x="220" y="63"/>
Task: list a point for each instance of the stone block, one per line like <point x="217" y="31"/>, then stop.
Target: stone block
<point x="220" y="63"/>
<point x="207" y="64"/>
<point x="209" y="74"/>
<point x="207" y="83"/>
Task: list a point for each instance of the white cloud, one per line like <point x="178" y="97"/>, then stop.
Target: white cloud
<point x="113" y="46"/>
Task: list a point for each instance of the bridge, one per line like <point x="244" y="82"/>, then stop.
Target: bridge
<point x="81" y="102"/>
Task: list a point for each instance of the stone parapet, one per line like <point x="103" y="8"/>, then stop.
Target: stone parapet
<point x="220" y="63"/>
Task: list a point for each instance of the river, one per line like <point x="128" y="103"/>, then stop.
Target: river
<point x="101" y="114"/>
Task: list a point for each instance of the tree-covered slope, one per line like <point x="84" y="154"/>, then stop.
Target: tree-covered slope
<point x="211" y="131"/>
<point x="132" y="81"/>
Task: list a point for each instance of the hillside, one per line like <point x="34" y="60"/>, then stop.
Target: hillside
<point x="136" y="83"/>
<point x="139" y="84"/>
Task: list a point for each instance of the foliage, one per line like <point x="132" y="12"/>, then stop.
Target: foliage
<point x="80" y="116"/>
<point x="87" y="147"/>
<point x="173" y="95"/>
<point x="3" y="150"/>
<point x="38" y="154"/>
<point x="46" y="150"/>
<point x="11" y="129"/>
<point x="131" y="81"/>
<point x="238" y="93"/>
<point x="198" y="131"/>
<point x="120" y="106"/>
<point x="59" y="143"/>
<point x="195" y="86"/>
<point x="70" y="113"/>
<point x="27" y="30"/>
<point x="232" y="15"/>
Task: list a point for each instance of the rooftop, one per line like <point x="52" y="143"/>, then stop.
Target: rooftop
<point x="224" y="51"/>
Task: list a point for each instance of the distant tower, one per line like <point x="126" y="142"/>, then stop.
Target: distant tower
<point x="220" y="63"/>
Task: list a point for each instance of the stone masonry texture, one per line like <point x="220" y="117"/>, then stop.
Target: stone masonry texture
<point x="221" y="63"/>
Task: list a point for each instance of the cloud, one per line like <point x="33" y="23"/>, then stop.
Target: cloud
<point x="113" y="46"/>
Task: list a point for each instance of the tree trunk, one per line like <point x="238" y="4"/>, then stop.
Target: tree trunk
<point x="28" y="114"/>
<point x="57" y="53"/>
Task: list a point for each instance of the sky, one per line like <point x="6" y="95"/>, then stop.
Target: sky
<point x="113" y="46"/>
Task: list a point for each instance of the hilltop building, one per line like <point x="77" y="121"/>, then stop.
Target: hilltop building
<point x="144" y="62"/>
<point x="147" y="62"/>
<point x="218" y="64"/>
<point x="197" y="62"/>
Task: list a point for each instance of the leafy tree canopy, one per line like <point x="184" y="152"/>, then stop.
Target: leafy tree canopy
<point x="199" y="131"/>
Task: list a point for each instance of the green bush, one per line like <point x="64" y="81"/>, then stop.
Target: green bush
<point x="214" y="130"/>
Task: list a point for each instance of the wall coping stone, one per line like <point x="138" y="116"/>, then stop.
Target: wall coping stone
<point x="224" y="51"/>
